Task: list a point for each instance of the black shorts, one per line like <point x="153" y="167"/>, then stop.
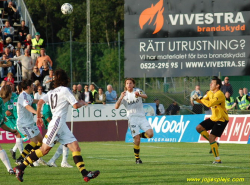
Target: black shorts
<point x="216" y="126"/>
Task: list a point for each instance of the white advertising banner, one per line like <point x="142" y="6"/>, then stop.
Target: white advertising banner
<point x="100" y="112"/>
<point x="97" y="112"/>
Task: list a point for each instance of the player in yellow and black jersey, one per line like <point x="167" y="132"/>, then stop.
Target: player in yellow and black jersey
<point x="219" y="119"/>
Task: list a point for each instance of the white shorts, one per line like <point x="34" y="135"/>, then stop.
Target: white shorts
<point x="30" y="131"/>
<point x="138" y="122"/>
<point x="58" y="131"/>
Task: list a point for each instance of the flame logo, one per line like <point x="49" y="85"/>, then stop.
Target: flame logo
<point x="149" y="13"/>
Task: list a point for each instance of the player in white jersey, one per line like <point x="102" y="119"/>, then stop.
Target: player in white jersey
<point x="132" y="100"/>
<point x="25" y="121"/>
<point x="59" y="99"/>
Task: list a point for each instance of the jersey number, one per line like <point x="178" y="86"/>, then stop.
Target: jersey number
<point x="53" y="100"/>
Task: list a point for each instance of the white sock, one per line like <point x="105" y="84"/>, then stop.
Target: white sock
<point x="19" y="144"/>
<point x="14" y="148"/>
<point x="57" y="154"/>
<point x="5" y="159"/>
<point x="65" y="154"/>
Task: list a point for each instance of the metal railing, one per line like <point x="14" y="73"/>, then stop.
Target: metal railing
<point x="24" y="13"/>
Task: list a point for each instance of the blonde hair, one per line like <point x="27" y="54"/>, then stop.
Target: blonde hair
<point x="11" y="74"/>
<point x="37" y="83"/>
<point x="28" y="36"/>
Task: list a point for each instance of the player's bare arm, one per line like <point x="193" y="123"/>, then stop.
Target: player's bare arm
<point x="4" y="127"/>
<point x="39" y="121"/>
<point x="80" y="104"/>
<point x="30" y="109"/>
<point x="118" y="103"/>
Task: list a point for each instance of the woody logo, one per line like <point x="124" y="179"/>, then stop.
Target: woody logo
<point x="149" y="13"/>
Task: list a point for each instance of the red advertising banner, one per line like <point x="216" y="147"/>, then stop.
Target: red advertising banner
<point x="7" y="137"/>
<point x="237" y="130"/>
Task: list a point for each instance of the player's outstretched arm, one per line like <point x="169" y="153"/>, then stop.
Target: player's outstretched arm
<point x="5" y="127"/>
<point x="79" y="104"/>
<point x="118" y="103"/>
<point x="30" y="109"/>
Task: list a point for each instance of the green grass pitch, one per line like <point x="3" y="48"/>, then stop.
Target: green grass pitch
<point x="163" y="163"/>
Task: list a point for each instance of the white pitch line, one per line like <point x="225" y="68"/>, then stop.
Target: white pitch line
<point x="143" y="146"/>
<point x="213" y="165"/>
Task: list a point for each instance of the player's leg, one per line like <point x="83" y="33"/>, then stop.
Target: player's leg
<point x="11" y="123"/>
<point x="203" y="127"/>
<point x="217" y="131"/>
<point x="6" y="161"/>
<point x="13" y="152"/>
<point x="35" y="138"/>
<point x="137" y="141"/>
<point x="59" y="151"/>
<point x="19" y="143"/>
<point x="135" y="132"/>
<point x="214" y="148"/>
<point x="143" y="124"/>
<point x="30" y="159"/>
<point x="148" y="134"/>
<point x="77" y="157"/>
<point x="65" y="153"/>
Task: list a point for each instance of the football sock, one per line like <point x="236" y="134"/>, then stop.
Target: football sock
<point x="205" y="134"/>
<point x="137" y="151"/>
<point x="19" y="144"/>
<point x="5" y="159"/>
<point x="143" y="135"/>
<point x="214" y="147"/>
<point x="34" y="156"/>
<point x="65" y="154"/>
<point x="27" y="149"/>
<point x="59" y="152"/>
<point x="15" y="148"/>
<point x="79" y="163"/>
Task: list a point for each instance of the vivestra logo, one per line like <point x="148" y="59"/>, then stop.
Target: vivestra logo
<point x="149" y="14"/>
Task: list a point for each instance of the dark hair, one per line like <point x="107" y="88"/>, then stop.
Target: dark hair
<point x="100" y="88"/>
<point x="218" y="81"/>
<point x="61" y="78"/>
<point x="130" y="79"/>
<point x="127" y="80"/>
<point x="5" y="91"/>
<point x="25" y="84"/>
<point x="241" y="89"/>
<point x="19" y="85"/>
<point x="51" y="85"/>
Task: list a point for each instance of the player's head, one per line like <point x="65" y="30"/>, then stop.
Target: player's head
<point x="5" y="92"/>
<point x="9" y="83"/>
<point x="27" y="85"/>
<point x="61" y="78"/>
<point x="129" y="84"/>
<point x="215" y="84"/>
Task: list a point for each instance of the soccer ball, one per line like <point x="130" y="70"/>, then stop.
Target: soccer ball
<point x="67" y="8"/>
